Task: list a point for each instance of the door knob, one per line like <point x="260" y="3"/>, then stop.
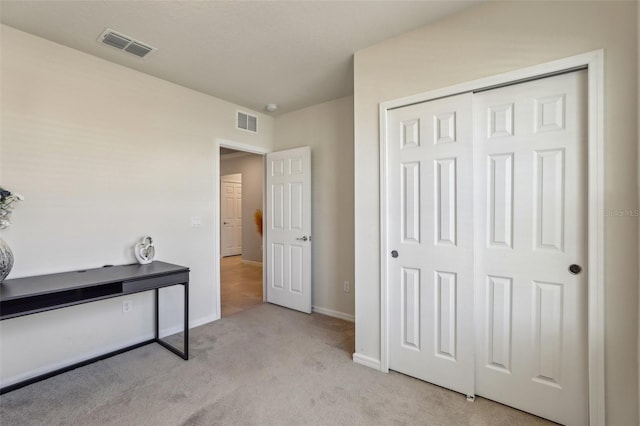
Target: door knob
<point x="226" y="223"/>
<point x="302" y="239"/>
<point x="575" y="269"/>
<point x="394" y="253"/>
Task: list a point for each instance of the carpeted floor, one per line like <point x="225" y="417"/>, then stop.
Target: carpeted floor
<point x="264" y="366"/>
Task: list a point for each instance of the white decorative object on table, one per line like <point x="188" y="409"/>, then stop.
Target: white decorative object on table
<point x="6" y="206"/>
<point x="144" y="250"/>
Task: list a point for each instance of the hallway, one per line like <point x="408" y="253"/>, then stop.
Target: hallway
<point x="240" y="285"/>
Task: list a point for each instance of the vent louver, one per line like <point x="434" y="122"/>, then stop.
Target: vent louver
<point x="138" y="49"/>
<point x="123" y="42"/>
<point x="116" y="40"/>
<point x="247" y="122"/>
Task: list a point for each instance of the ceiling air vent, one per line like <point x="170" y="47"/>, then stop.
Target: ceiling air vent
<point x="124" y="42"/>
<point x="138" y="49"/>
<point x="247" y="122"/>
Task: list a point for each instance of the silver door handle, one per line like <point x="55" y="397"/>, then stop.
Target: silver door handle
<point x="302" y="239"/>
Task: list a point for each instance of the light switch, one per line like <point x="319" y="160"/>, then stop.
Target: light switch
<point x="196" y="221"/>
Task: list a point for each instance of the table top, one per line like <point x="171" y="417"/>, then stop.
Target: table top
<point x="17" y="288"/>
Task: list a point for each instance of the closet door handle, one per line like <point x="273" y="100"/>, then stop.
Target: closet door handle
<point x="575" y="269"/>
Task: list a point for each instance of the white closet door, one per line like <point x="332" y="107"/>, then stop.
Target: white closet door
<point x="430" y="218"/>
<point x="531" y="309"/>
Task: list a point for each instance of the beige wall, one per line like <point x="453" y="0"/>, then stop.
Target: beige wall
<point x="328" y="129"/>
<point x="104" y="155"/>
<point x="486" y="40"/>
<point x="251" y="166"/>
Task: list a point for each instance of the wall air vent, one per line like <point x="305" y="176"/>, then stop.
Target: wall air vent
<point x="124" y="42"/>
<point x="247" y="122"/>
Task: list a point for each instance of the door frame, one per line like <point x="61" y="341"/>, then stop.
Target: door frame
<point x="593" y="62"/>
<point x="226" y="143"/>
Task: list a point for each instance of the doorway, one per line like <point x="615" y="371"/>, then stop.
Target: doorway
<point x="240" y="285"/>
<point x="241" y="186"/>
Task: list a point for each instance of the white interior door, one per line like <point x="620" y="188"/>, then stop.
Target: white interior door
<point x="531" y="309"/>
<point x="500" y="276"/>
<point x="288" y="222"/>
<point x="231" y="215"/>
<point x="430" y="230"/>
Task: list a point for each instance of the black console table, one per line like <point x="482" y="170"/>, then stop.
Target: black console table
<point x="30" y="295"/>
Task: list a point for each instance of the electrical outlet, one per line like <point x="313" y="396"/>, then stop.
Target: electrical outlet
<point x="127" y="306"/>
<point x="347" y="287"/>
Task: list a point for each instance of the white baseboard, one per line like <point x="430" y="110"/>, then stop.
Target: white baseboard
<point x="204" y="320"/>
<point x="101" y="351"/>
<point x="251" y="262"/>
<point x="70" y="361"/>
<point x="335" y="314"/>
<point x="367" y="361"/>
<point x="168" y="331"/>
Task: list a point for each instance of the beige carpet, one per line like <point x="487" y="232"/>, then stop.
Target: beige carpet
<point x="263" y="366"/>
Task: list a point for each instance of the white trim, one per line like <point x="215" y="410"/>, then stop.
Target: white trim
<point x="239" y="146"/>
<point x="251" y="262"/>
<point x="384" y="246"/>
<point x="168" y="331"/>
<point x="331" y="313"/>
<point x="638" y="184"/>
<point x="595" y="209"/>
<point x="366" y="361"/>
<point x="202" y="321"/>
<point x="264" y="229"/>
<point x="596" y="328"/>
<point x="225" y="157"/>
<point x="103" y="350"/>
<point x="75" y="360"/>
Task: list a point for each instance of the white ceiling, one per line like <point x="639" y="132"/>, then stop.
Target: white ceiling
<point x="292" y="53"/>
